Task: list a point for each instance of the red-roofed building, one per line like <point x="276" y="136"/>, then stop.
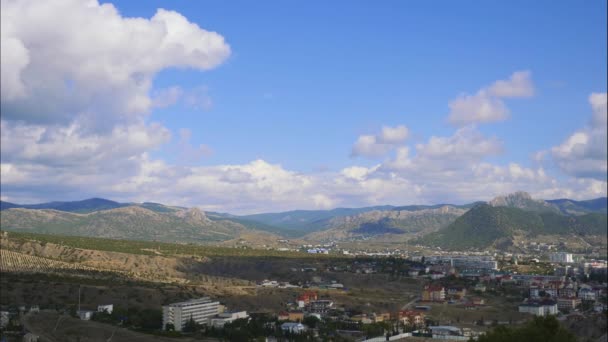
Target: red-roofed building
<point x="433" y="293"/>
<point x="411" y="318"/>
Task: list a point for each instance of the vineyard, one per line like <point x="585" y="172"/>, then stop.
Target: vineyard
<point x="22" y="263"/>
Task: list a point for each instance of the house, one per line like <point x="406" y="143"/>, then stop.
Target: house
<point x="295" y="316"/>
<point x="363" y="318"/>
<point x="4" y="319"/>
<point x="305" y="298"/>
<point x="457" y="292"/>
<point x="320" y="306"/>
<point x="269" y="283"/>
<point x="294" y="328"/>
<point x="381" y="317"/>
<point x="29" y="337"/>
<point x="436" y="275"/>
<point x="433" y="293"/>
<point x="410" y="318"/>
<point x="478" y="301"/>
<point x="85" y="315"/>
<point x="568" y="303"/>
<point x="105" y="308"/>
<point x="479" y="287"/>
<point x="587" y="293"/>
<point x="283" y="316"/>
<point x="34" y="309"/>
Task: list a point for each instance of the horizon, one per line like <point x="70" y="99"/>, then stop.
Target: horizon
<point x="211" y="105"/>
<point x="330" y="209"/>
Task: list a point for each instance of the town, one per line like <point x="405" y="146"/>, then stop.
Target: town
<point x="461" y="296"/>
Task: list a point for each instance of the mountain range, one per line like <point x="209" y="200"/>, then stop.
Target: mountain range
<point x="474" y="225"/>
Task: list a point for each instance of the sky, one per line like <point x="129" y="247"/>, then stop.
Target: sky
<point x="247" y="107"/>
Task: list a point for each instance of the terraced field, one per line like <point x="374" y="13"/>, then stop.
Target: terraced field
<point x="15" y="262"/>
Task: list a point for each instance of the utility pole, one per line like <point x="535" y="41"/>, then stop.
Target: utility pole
<point x="78" y="299"/>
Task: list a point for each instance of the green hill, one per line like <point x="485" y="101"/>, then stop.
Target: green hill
<point x="484" y="225"/>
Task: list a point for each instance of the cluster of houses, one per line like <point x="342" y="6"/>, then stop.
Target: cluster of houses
<point x="547" y="295"/>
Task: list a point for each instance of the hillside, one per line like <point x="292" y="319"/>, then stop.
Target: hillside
<point x="572" y="207"/>
<point x="132" y="222"/>
<point x="485" y="226"/>
<point x="400" y="224"/>
<point x="302" y="222"/>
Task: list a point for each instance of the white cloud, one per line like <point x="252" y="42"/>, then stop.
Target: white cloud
<point x="374" y="146"/>
<point x="393" y="135"/>
<point x="519" y="85"/>
<point x="93" y="62"/>
<point x="487" y="104"/>
<point x="584" y="153"/>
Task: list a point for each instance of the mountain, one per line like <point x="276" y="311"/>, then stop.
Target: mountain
<point x="523" y="200"/>
<point x="129" y="222"/>
<point x="301" y="222"/>
<point x="399" y="224"/>
<point x="486" y="226"/>
<point x="89" y="205"/>
<point x="572" y="207"/>
<point x="84" y="206"/>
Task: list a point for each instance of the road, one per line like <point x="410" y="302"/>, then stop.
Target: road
<point x="410" y="303"/>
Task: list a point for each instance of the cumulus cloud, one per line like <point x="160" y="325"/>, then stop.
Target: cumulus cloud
<point x="93" y="61"/>
<point x="76" y="91"/>
<point x="584" y="153"/>
<point x="374" y="146"/>
<point x="487" y="105"/>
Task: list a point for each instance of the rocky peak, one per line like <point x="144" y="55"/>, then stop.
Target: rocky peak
<point x="522" y="200"/>
<point x="193" y="215"/>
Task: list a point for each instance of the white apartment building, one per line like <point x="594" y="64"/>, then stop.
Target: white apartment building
<point x="561" y="257"/>
<point x="200" y="310"/>
<point x="227" y="317"/>
<point x="539" y="309"/>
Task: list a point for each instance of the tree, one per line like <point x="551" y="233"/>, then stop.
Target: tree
<point x="169" y="327"/>
<point x="541" y="329"/>
<point x="190" y="326"/>
<point x="311" y="321"/>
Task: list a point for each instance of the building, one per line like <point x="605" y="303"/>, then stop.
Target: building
<point x="544" y="308"/>
<point x="29" y="337"/>
<point x="568" y="303"/>
<point x="433" y="293"/>
<point x="561" y="257"/>
<point x="411" y="318"/>
<point x="200" y="310"/>
<point x="4" y="319"/>
<point x="457" y="292"/>
<point x="445" y="330"/>
<point x="320" y="306"/>
<point x="227" y="317"/>
<point x="109" y="308"/>
<point x="294" y="328"/>
<point x="85" y="315"/>
<point x="305" y="298"/>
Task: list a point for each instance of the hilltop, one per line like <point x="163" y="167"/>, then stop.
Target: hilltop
<point x="487" y="226"/>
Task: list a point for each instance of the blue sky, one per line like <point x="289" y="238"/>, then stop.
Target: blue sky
<point x="302" y="82"/>
<point x="334" y="70"/>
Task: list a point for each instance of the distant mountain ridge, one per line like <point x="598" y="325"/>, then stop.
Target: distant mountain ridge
<point x="394" y="223"/>
<point x="129" y="222"/>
